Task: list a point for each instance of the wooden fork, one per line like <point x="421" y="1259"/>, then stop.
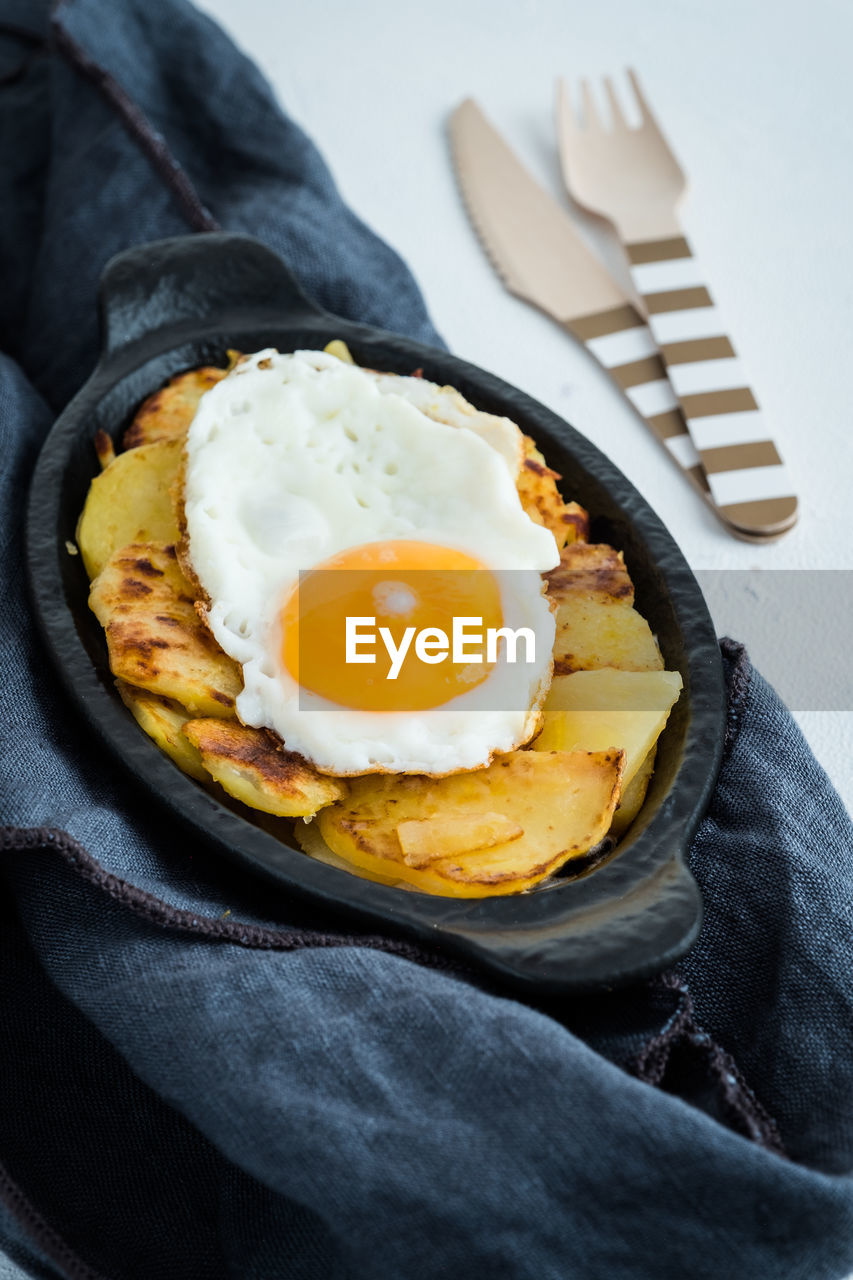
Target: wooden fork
<point x="630" y="176"/>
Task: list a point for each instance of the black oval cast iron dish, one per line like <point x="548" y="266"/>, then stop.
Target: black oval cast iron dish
<point x="177" y="304"/>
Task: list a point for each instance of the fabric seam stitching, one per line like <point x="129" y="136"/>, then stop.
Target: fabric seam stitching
<point x="41" y="1233"/>
<point x="158" y="912"/>
<point x="151" y="143"/>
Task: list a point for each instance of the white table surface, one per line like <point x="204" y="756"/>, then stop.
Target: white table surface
<point x="757" y="101"/>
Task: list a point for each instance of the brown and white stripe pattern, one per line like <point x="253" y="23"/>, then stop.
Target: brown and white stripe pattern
<point x="623" y="344"/>
<point x="748" y="480"/>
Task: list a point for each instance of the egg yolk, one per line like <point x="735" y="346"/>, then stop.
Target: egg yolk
<point x="405" y="588"/>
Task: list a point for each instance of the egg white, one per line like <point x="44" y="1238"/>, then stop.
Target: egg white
<point x="291" y="459"/>
<point x="445" y="404"/>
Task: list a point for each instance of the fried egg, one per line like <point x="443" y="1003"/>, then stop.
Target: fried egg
<point x="304" y="471"/>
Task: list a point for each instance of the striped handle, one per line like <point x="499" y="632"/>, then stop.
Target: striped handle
<point x="623" y="344"/>
<point x="748" y="481"/>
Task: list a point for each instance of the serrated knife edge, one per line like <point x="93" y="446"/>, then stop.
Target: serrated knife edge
<point x="495" y="255"/>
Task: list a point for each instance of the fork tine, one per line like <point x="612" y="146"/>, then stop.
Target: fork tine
<point x="646" y="113"/>
<point x="650" y="126"/>
<point x="590" y="113"/>
<point x="619" y="121"/>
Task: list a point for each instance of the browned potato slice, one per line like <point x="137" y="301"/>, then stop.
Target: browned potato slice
<point x="537" y="489"/>
<point x="563" y="801"/>
<point x="250" y="766"/>
<point x="576" y="520"/>
<point x="163" y="721"/>
<point x="155" y="637"/>
<point x="599" y="633"/>
<point x="130" y="502"/>
<point x="635" y="793"/>
<point x="602" y="633"/>
<point x="596" y="624"/>
<point x="590" y="569"/>
<point x="310" y="841"/>
<point x="167" y="413"/>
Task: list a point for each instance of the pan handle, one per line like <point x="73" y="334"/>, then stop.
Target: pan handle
<point x="219" y="277"/>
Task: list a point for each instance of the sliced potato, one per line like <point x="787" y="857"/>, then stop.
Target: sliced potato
<point x="426" y="840"/>
<point x="163" y="721"/>
<point x="590" y="570"/>
<point x="337" y="347"/>
<point x="251" y="767"/>
<point x="130" y="502"/>
<point x="596" y="623"/>
<point x="156" y="639"/>
<point x="563" y="801"/>
<point x="601" y="633"/>
<point x="634" y="796"/>
<point x="167" y="413"/>
<point x="310" y="841"/>
<point x="576" y="520"/>
<point x="594" y="710"/>
<point x="541" y="500"/>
